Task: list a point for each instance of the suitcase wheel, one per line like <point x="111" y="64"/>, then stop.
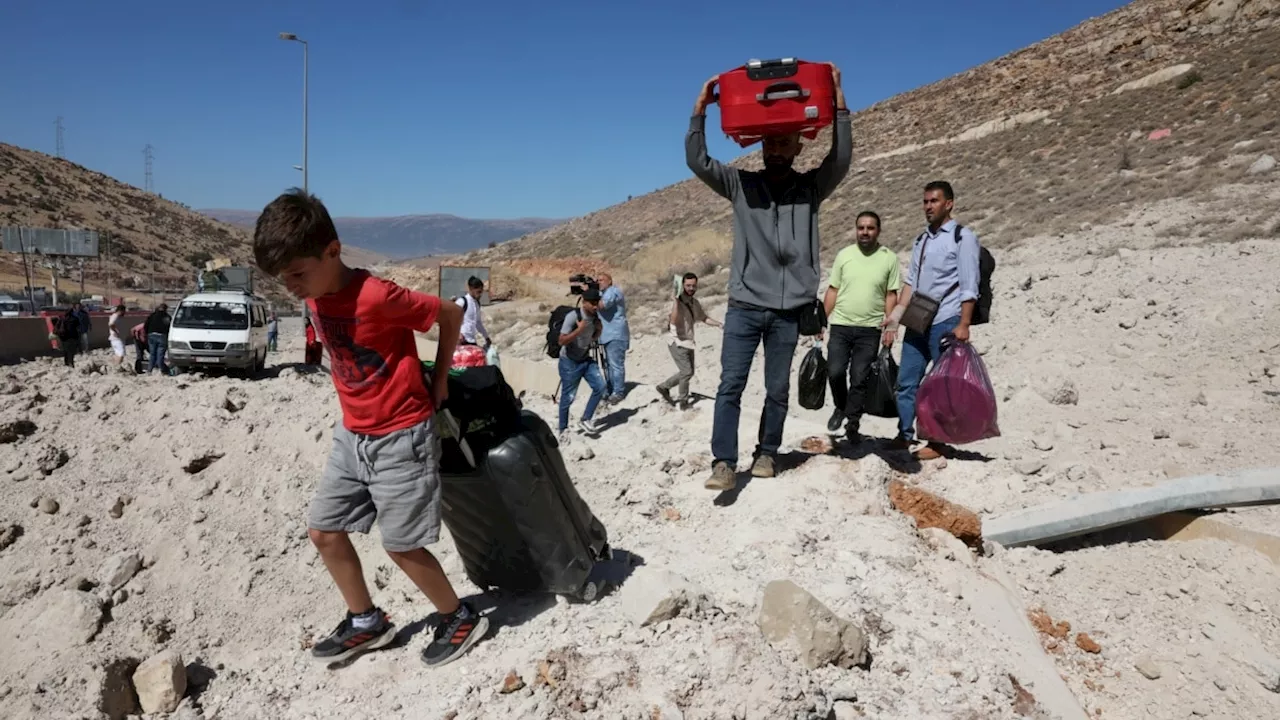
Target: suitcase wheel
<point x="590" y="590"/>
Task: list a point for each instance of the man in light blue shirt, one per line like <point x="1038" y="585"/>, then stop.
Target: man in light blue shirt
<point x="615" y="336"/>
<point x="944" y="265"/>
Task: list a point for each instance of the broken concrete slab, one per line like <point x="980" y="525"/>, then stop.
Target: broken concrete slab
<point x="993" y="602"/>
<point x="1101" y="511"/>
<point x="1234" y="641"/>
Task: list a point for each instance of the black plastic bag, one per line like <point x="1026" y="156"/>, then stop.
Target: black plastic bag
<point x="813" y="317"/>
<point x="882" y="398"/>
<point x="813" y="379"/>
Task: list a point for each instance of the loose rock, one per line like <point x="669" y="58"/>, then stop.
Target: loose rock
<point x="651" y="596"/>
<point x="118" y="570"/>
<point x="160" y="682"/>
<point x="71" y="618"/>
<point x="1062" y="392"/>
<point x="1087" y="644"/>
<point x="788" y="611"/>
<point x="1030" y="466"/>
<point x="11" y="432"/>
<point x="1148" y="667"/>
<point x="1263" y="164"/>
<point x="51" y="458"/>
<point x="9" y="535"/>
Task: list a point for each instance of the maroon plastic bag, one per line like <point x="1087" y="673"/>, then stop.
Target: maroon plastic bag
<point x="956" y="403"/>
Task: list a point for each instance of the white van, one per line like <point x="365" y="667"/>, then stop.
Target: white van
<point x="10" y="307"/>
<point x="226" y="329"/>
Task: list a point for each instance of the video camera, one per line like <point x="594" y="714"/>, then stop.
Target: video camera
<point x="580" y="282"/>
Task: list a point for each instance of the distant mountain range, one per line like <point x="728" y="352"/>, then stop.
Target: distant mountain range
<point x="408" y="236"/>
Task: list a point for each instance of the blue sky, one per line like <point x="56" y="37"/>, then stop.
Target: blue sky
<point x="481" y="109"/>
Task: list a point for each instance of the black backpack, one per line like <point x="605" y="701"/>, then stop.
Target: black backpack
<point x="553" y="328"/>
<point x="485" y="406"/>
<point x="986" y="266"/>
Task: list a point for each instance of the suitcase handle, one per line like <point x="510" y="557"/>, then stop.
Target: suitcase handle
<point x="782" y="91"/>
<point x="771" y="69"/>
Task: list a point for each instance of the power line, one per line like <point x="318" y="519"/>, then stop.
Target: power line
<point x="146" y="160"/>
<point x="59" y="150"/>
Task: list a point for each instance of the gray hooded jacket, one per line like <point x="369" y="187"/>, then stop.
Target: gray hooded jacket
<point x="774" y="263"/>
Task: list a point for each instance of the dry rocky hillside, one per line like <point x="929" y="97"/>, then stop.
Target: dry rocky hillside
<point x="154" y="557"/>
<point x="150" y="237"/>
<point x="1036" y="142"/>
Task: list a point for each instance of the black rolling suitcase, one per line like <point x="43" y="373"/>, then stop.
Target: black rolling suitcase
<point x="515" y="516"/>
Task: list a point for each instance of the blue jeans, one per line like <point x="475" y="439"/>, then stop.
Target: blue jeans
<point x="156" y="346"/>
<point x="918" y="352"/>
<point x="615" y="351"/>
<point x="271" y="341"/>
<point x="744" y="329"/>
<point x="571" y="373"/>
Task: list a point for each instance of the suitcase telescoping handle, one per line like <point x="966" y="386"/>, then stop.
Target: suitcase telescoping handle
<point x="782" y="91"/>
<point x="771" y="69"/>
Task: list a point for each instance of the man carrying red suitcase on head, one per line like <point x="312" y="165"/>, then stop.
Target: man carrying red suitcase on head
<point x="774" y="273"/>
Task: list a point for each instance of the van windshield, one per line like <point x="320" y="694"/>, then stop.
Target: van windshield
<point x="9" y="307"/>
<point x="210" y="315"/>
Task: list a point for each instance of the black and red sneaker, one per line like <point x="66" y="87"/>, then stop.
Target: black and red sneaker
<point x="348" y="640"/>
<point x="455" y="635"/>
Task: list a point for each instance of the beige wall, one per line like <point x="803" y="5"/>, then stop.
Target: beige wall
<point x="28" y="337"/>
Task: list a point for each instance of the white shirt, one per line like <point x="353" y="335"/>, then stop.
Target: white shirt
<point x="112" y="330"/>
<point x="471" y="318"/>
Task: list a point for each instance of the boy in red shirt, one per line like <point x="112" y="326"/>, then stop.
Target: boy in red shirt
<point x="384" y="463"/>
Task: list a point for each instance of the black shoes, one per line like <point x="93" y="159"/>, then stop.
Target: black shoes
<point x="348" y="640"/>
<point x="455" y="635"/>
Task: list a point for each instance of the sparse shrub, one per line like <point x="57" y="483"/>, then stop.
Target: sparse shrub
<point x="1189" y="79"/>
<point x="1238" y="233"/>
<point x="1126" y="163"/>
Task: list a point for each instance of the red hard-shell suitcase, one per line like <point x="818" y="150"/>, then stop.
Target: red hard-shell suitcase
<point x="776" y="97"/>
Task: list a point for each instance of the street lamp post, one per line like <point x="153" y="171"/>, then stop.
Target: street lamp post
<point x="294" y="38"/>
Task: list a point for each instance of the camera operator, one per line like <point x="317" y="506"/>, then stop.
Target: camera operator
<point x="615" y="337"/>
<point x="578" y="333"/>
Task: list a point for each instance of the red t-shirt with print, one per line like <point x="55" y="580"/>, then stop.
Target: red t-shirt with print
<point x="368" y="327"/>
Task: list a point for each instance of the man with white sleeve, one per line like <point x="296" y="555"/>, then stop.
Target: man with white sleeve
<point x="472" y="321"/>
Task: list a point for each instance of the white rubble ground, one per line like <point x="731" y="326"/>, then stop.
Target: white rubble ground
<point x="1171" y="355"/>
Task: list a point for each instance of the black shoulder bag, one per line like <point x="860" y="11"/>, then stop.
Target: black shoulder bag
<point x="921" y="309"/>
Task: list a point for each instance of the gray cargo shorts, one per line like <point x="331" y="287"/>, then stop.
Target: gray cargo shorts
<point x="394" y="478"/>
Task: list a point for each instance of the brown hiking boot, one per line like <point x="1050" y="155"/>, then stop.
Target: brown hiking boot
<point x="932" y="451"/>
<point x="762" y="467"/>
<point x="721" y="477"/>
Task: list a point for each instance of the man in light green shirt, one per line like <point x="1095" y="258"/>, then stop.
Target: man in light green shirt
<point x="862" y="291"/>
